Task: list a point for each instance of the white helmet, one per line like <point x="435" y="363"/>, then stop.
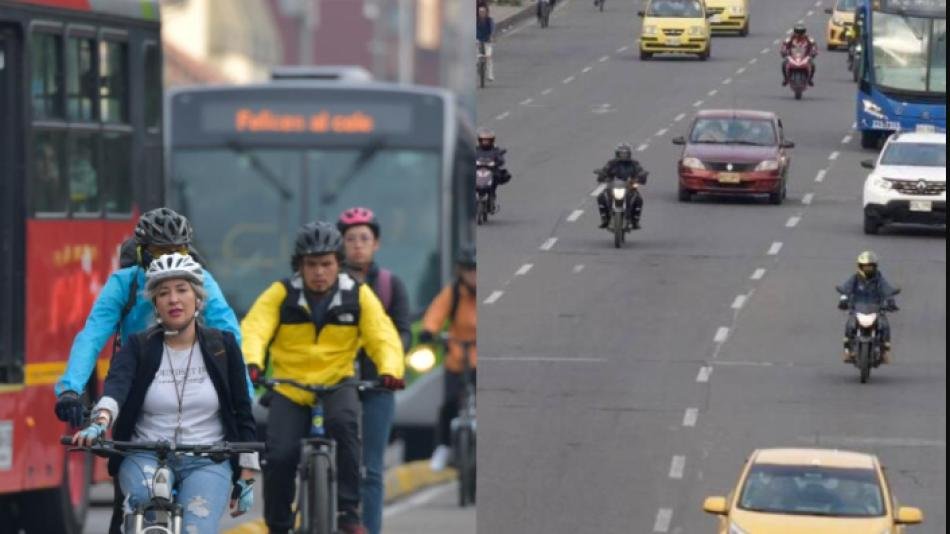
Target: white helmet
<point x="173" y="266"/>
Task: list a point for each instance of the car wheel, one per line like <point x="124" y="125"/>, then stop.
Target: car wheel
<point x="869" y="140"/>
<point x="684" y="194"/>
<point x="871" y="225"/>
<point x="644" y="55"/>
<point x="705" y="55"/>
<point x="744" y="32"/>
<point x="778" y="197"/>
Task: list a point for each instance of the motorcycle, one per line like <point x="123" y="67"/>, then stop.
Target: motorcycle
<point x="797" y="70"/>
<point x="599" y="4"/>
<point x="484" y="179"/>
<point x="868" y="343"/>
<point x="623" y="192"/>
<point x="481" y="64"/>
<point x="544" y="12"/>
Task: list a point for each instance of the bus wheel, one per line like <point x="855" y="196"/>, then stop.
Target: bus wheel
<point x="61" y="509"/>
<point x="869" y="139"/>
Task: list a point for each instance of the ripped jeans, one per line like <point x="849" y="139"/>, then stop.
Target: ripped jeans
<point x="203" y="488"/>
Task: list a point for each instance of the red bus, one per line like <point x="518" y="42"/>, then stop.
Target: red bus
<point x="80" y="158"/>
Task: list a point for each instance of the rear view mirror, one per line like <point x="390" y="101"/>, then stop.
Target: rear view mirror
<point x="829" y="11"/>
<point x="868" y="164"/>
<point x="897" y="291"/>
<point x="907" y="515"/>
<point x="788" y="144"/>
<point x="640" y="13"/>
<point x="680" y="140"/>
<point x="716" y="506"/>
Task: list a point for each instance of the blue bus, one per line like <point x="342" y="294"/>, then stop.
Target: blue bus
<point x="903" y="75"/>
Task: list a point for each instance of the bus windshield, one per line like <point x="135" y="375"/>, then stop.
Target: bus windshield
<point x="910" y="53"/>
<point x="249" y="201"/>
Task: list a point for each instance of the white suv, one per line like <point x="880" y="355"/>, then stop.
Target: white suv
<point x="908" y="183"/>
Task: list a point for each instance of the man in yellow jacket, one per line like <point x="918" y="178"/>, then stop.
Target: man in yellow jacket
<point x="313" y="324"/>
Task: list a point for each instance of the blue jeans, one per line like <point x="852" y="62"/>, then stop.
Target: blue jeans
<point x="378" y="411"/>
<point x="204" y="487"/>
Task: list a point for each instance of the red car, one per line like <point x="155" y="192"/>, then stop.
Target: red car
<point x="734" y="152"/>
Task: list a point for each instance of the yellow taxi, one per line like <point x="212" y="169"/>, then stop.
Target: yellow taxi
<point x="811" y="491"/>
<point x="842" y="17"/>
<point x="729" y="16"/>
<point x="674" y="26"/>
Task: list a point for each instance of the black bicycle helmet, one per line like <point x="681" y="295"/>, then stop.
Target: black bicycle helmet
<point x="316" y="237"/>
<point x="163" y="226"/>
<point x="466" y="257"/>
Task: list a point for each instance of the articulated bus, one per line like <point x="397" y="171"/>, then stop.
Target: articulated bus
<point x="903" y="74"/>
<point x="80" y="158"/>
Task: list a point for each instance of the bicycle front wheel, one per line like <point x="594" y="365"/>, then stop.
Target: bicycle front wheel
<point x="465" y="453"/>
<point x="317" y="503"/>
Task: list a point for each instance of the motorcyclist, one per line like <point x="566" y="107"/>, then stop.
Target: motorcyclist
<point x="867" y="285"/>
<point x="621" y="166"/>
<point x="487" y="149"/>
<point x="799" y="38"/>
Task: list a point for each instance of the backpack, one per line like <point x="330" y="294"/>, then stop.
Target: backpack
<point x="384" y="287"/>
<point x="456" y="296"/>
<point x="128" y="257"/>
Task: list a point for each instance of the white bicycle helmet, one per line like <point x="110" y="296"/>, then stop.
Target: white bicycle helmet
<point x="173" y="266"/>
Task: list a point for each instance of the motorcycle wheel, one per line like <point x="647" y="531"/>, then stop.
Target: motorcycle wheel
<point x="864" y="362"/>
<point x="602" y="6"/>
<point x="617" y="225"/>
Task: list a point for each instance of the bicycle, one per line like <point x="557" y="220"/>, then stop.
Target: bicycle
<point x="168" y="513"/>
<point x="316" y="472"/>
<point x="482" y="64"/>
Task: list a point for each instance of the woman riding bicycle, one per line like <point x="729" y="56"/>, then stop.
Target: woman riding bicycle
<point x="184" y="383"/>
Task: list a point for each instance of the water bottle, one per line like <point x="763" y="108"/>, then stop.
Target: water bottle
<point x="316" y="420"/>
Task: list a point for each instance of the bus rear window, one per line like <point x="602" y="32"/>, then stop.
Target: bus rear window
<point x="46" y="84"/>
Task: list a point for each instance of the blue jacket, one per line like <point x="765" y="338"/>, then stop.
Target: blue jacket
<point x="101" y="322"/>
<point x="484" y="29"/>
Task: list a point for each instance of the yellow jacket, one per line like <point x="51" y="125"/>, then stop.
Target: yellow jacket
<point x="280" y="322"/>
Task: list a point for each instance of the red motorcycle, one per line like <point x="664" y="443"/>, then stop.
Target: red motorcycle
<point x="798" y="70"/>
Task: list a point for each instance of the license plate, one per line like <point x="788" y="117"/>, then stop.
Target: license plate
<point x="926" y="128"/>
<point x="6" y="445"/>
<point x="921" y="205"/>
<point x="674" y="41"/>
<point x="729" y="178"/>
<point x="885" y="125"/>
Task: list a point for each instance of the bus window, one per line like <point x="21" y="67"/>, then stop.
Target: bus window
<point x="463" y="180"/>
<point x="45" y="87"/>
<point x="116" y="172"/>
<point x="80" y="79"/>
<point x="83" y="175"/>
<point x="938" y="57"/>
<point x="114" y="85"/>
<point x="153" y="86"/>
<point x="48" y="184"/>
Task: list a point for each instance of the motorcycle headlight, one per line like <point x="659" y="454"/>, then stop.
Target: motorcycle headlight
<point x="619" y="192"/>
<point x="697" y="30"/>
<point x="421" y="358"/>
<point x="735" y="10"/>
<point x="734" y="529"/>
<point x="873" y="109"/>
<point x="649" y="30"/>
<point x="693" y="163"/>
<point x="767" y="165"/>
<point x="883" y="183"/>
<point x="866" y="320"/>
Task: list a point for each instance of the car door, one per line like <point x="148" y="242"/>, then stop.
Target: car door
<point x="783" y="157"/>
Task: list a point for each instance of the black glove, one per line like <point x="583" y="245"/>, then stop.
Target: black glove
<point x="69" y="408"/>
<point x="426" y="337"/>
<point x="255" y="374"/>
<point x="891" y="306"/>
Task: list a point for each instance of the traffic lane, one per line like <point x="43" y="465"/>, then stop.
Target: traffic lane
<point x="434" y="510"/>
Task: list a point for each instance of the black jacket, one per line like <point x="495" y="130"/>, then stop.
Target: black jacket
<point x="132" y="371"/>
<point x="502" y="176"/>
<point x="623" y="169"/>
<point x="863" y="290"/>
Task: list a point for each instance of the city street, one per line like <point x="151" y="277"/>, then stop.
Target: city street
<point x="618" y="388"/>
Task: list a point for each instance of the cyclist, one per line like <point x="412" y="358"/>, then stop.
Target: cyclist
<point x="361" y="238"/>
<point x="184" y="383"/>
<point x="312" y="325"/>
<point x="484" y="31"/>
<point x="455" y="303"/>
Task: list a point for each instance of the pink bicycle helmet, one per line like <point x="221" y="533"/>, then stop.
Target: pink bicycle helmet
<point x="358" y="216"/>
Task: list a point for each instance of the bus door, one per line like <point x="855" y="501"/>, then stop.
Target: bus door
<point x="12" y="208"/>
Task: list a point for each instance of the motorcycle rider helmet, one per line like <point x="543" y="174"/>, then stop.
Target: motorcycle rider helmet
<point x="799" y="30"/>
<point x="358" y="216"/>
<point x="486" y="138"/>
<point x="623" y="152"/>
<point x="867" y="264"/>
<point x="173" y="266"/>
<point x="316" y="238"/>
<point x="163" y="226"/>
<point x="466" y="258"/>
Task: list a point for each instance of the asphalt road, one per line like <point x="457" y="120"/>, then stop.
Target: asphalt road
<point x="620" y="387"/>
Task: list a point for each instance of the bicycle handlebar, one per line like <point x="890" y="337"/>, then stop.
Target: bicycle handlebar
<point x="118" y="447"/>
<point x="361" y="385"/>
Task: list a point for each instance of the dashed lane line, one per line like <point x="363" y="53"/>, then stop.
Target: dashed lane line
<point x="502" y="116"/>
<point x="834" y="155"/>
<point x="690" y="417"/>
<point x="712" y="92"/>
<point x="727" y="81"/>
<point x="792" y="221"/>
<point x="603" y="59"/>
<point x="549" y="244"/>
<point x="574" y="215"/>
<point x="598" y="190"/>
<point x="567" y="80"/>
<point x="493" y="298"/>
<point x="526" y="101"/>
<point x="775" y="248"/>
<point x="643" y="147"/>
<point x="806" y="200"/>
<point x="753" y="61"/>
<point x="820" y="177"/>
<point x="703" y="376"/>
<point x="758" y="274"/>
<point x="578" y="268"/>
<point x="585" y="70"/>
<point x="722" y="334"/>
<point x="677" y="466"/>
<point x="547" y="91"/>
<point x="739" y="302"/>
<point x="697" y="103"/>
<point x="679" y="117"/>
<point x="765" y="50"/>
<point x="523" y="270"/>
<point x="622" y="49"/>
<point x="846" y="139"/>
<point x="740" y="70"/>
<point x="664" y="516"/>
<point x="661" y="132"/>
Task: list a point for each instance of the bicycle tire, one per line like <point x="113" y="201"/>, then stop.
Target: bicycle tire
<point x="463" y="447"/>
<point x="322" y="499"/>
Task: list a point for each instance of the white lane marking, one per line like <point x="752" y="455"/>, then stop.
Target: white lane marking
<point x="809" y="13"/>
<point x="603" y="59"/>
<point x="818" y="3"/>
<point x="765" y="50"/>
<point x="806" y="200"/>
<point x="598" y="190"/>
<point x="712" y="92"/>
<point x="677" y="465"/>
<point x="740" y="70"/>
<point x="834" y="155"/>
<point x="523" y="270"/>
<point x="800" y="21"/>
<point x="493" y="298"/>
<point x="758" y="274"/>
<point x="873" y="441"/>
<point x="704" y="372"/>
<point x="776" y="246"/>
<point x="418" y="499"/>
<point x="576" y="214"/>
<point x="733" y="363"/>
<point x="727" y="81"/>
<point x="532" y="359"/>
<point x="569" y="79"/>
<point x="663" y="518"/>
<point x="753" y="61"/>
<point x="820" y="177"/>
<point x="777" y="41"/>
<point x="846" y="139"/>
<point x="661" y="132"/>
<point x="722" y="334"/>
<point x="502" y="116"/>
<point x="546" y="92"/>
<point x="697" y="103"/>
<point x="642" y="147"/>
<point x="585" y="70"/>
<point x="578" y="268"/>
<point x="622" y="49"/>
<point x="526" y="101"/>
<point x="679" y="117"/>
<point x="739" y="302"/>
<point x="690" y="417"/>
<point x="792" y="221"/>
<point x="549" y="243"/>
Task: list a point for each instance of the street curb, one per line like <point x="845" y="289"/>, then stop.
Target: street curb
<point x="504" y="26"/>
<point x="399" y="481"/>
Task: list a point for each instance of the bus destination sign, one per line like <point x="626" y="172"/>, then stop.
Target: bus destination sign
<point x="306" y="118"/>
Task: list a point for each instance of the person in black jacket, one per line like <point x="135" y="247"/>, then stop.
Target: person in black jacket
<point x="183" y="383"/>
<point x="622" y="166"/>
<point x="867" y="286"/>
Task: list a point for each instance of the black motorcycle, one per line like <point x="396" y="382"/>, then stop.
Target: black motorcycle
<point x="868" y="343"/>
<point x="622" y="192"/>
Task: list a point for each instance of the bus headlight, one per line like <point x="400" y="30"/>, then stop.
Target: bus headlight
<point x="873" y="109"/>
<point x="421" y="359"/>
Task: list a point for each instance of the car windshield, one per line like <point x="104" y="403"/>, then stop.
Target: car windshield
<point x="915" y="154"/>
<point x="758" y="132"/>
<point x="846" y="5"/>
<point x="812" y="490"/>
<point x="675" y="9"/>
<point x="910" y="53"/>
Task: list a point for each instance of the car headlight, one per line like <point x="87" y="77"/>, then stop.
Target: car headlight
<point x="649" y="30"/>
<point x="697" y="30"/>
<point x="873" y="109"/>
<point x="883" y="183"/>
<point x="619" y="192"/>
<point x="837" y="21"/>
<point x="767" y="165"/>
<point x="421" y="358"/>
<point x="693" y="163"/>
<point x="734" y="529"/>
<point x="735" y="10"/>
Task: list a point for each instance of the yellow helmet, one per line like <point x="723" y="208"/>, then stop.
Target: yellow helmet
<point x="867" y="258"/>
